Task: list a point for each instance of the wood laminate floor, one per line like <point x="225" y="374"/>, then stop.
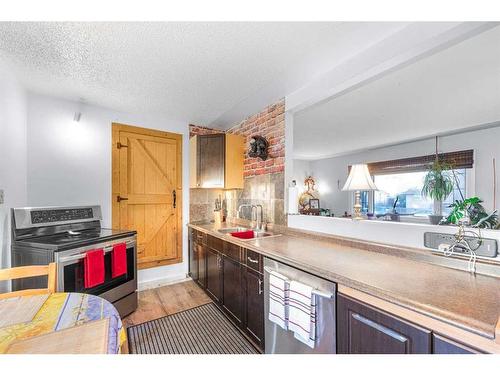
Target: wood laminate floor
<point x="166" y="300"/>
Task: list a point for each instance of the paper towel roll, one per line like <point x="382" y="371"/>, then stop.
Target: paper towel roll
<point x="293" y="200"/>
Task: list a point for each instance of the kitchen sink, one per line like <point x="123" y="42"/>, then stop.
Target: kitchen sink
<point x="232" y="230"/>
<point x="256" y="235"/>
<point x="264" y="235"/>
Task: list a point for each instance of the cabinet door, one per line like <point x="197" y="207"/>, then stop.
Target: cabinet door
<point x="214" y="279"/>
<point x="363" y="329"/>
<point x="443" y="345"/>
<point x="254" y="305"/>
<point x="232" y="289"/>
<point x="202" y="266"/>
<point x="210" y="157"/>
<point x="193" y="260"/>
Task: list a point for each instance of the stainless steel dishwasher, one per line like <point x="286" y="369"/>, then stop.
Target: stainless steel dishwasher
<point x="278" y="340"/>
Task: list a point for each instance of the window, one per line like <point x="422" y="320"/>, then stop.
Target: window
<point x="400" y="183"/>
<point x="404" y="191"/>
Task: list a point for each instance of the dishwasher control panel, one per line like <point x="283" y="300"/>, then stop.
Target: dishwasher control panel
<point x="487" y="247"/>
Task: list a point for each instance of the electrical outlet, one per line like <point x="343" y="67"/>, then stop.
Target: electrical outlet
<point x="1" y="196"/>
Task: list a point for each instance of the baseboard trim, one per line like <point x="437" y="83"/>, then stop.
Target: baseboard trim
<point x="156" y="283"/>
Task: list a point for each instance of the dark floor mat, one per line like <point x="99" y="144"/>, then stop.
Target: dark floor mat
<point x="201" y="330"/>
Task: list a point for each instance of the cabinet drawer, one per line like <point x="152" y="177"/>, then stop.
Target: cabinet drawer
<point x="253" y="260"/>
<point x="232" y="251"/>
<point x="215" y="243"/>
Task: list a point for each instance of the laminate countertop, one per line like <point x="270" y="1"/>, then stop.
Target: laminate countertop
<point x="470" y="302"/>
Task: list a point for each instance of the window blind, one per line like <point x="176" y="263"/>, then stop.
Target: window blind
<point x="457" y="159"/>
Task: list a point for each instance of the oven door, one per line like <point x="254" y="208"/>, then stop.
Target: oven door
<point x="70" y="272"/>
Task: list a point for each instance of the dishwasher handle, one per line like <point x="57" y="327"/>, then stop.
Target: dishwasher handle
<point x="316" y="292"/>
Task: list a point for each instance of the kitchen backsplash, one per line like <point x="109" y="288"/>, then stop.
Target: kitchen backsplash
<point x="264" y="180"/>
<point x="266" y="190"/>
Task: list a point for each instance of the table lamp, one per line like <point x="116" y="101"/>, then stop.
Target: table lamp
<point x="359" y="180"/>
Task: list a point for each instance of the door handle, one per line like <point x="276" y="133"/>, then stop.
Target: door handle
<point x="174" y="198"/>
<point x="119" y="199"/>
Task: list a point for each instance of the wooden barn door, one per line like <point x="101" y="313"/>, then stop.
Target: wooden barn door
<point x="147" y="192"/>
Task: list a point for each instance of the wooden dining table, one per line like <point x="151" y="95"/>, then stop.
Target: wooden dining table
<point x="60" y="323"/>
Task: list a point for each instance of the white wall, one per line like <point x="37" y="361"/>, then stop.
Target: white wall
<point x="386" y="232"/>
<point x="69" y="163"/>
<point x="331" y="174"/>
<point x="12" y="155"/>
<point x="301" y="170"/>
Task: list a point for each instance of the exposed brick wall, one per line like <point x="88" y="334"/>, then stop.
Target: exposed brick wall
<point x="202" y="130"/>
<point x="264" y="180"/>
<point x="269" y="123"/>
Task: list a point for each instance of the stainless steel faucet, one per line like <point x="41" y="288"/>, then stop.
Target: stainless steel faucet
<point x="240" y="207"/>
<point x="256" y="221"/>
<point x="259" y="219"/>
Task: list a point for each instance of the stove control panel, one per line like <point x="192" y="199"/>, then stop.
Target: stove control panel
<point x="30" y="217"/>
<point x="52" y="216"/>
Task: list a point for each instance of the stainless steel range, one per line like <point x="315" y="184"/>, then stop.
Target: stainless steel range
<point x="63" y="235"/>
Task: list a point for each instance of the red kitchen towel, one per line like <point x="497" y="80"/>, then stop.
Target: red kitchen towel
<point x="244" y="235"/>
<point x="119" y="259"/>
<point x="93" y="265"/>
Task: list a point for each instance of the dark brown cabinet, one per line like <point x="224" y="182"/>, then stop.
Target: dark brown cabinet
<point x="216" y="161"/>
<point x="254" y="305"/>
<point x="363" y="329"/>
<point x="232" y="291"/>
<point x="193" y="256"/>
<point x="232" y="277"/>
<point x="197" y="258"/>
<point x="202" y="267"/>
<point x="210" y="167"/>
<point x="443" y="345"/>
<point x="214" y="274"/>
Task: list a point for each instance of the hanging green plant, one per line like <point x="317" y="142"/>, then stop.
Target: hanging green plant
<point x="438" y="184"/>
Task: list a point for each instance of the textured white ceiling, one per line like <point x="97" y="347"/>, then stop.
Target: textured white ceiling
<point x="195" y="72"/>
<point x="454" y="89"/>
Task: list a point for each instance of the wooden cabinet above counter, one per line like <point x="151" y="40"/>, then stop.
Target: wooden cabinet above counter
<point x="216" y="161"/>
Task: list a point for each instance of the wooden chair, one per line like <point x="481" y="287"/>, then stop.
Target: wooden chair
<point x="30" y="271"/>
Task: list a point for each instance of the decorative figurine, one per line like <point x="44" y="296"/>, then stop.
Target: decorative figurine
<point x="305" y="197"/>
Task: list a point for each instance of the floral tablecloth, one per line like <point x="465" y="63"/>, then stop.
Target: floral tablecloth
<point x="66" y="310"/>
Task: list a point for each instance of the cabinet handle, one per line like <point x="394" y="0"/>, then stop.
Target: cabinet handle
<point x="379" y="327"/>
<point x="252" y="260"/>
<point x="260" y="286"/>
<point x="119" y="199"/>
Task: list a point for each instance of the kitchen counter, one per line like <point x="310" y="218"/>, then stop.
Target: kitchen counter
<point x="469" y="302"/>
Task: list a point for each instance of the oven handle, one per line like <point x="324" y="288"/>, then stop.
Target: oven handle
<point x="70" y="258"/>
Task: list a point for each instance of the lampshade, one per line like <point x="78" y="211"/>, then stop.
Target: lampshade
<point x="359" y="179"/>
